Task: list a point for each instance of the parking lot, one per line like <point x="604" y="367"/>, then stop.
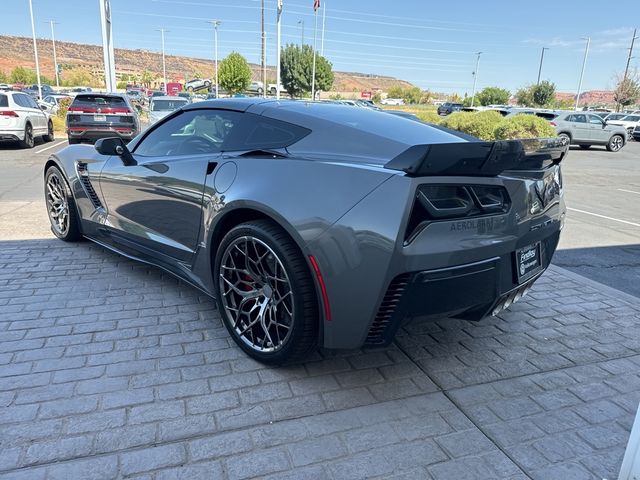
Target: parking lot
<point x="113" y="369"/>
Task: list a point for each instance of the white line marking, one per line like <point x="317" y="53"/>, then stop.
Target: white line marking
<point x="628" y="191"/>
<point x="51" y="146"/>
<point x="604" y="216"/>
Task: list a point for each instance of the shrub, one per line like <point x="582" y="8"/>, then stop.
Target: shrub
<point x="523" y="126"/>
<point x="58" y="124"/>
<point x="478" y="124"/>
<point x="428" y="116"/>
<point x="63" y="106"/>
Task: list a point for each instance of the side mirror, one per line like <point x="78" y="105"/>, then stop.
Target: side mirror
<point x="115" y="146"/>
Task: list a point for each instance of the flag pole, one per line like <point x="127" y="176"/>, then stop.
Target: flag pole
<point x="324" y="13"/>
<point x="313" y="70"/>
<point x="279" y="14"/>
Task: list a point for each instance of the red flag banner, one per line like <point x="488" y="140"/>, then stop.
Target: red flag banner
<point x="316" y="5"/>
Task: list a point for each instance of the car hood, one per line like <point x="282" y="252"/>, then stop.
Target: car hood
<point x="620" y="123"/>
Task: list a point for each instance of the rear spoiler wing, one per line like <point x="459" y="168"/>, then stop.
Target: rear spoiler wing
<point x="481" y="159"/>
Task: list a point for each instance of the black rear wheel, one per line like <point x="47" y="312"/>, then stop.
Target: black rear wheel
<point x="61" y="206"/>
<point x="615" y="143"/>
<point x="265" y="293"/>
<point x="50" y="136"/>
<point x="28" y="141"/>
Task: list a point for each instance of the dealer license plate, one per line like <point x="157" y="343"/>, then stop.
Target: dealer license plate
<point x="528" y="261"/>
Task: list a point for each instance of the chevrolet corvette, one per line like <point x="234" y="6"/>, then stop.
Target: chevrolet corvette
<point x="318" y="225"/>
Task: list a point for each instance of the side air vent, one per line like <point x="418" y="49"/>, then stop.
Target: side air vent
<point x="83" y="175"/>
<point x="378" y="331"/>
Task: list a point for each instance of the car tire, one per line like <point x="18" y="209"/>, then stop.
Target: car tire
<point x="207" y="84"/>
<point x="50" y="136"/>
<point x="189" y="89"/>
<point x="73" y="141"/>
<point x="249" y="259"/>
<point x="616" y="142"/>
<point x="565" y="137"/>
<point x="61" y="206"/>
<point x="585" y="147"/>
<point x="273" y="91"/>
<point x="28" y="141"/>
<point x="629" y="133"/>
<point x="260" y="91"/>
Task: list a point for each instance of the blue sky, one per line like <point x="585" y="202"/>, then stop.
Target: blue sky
<point x="431" y="44"/>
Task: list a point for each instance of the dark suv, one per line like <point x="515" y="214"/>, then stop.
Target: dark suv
<point x="449" y="107"/>
<point x="99" y="115"/>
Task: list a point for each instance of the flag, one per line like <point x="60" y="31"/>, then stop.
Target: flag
<point x="316" y="5"/>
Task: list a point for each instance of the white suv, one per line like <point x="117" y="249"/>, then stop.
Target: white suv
<point x="22" y="120"/>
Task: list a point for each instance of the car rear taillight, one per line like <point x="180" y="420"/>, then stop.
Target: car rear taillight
<point x="445" y="202"/>
<point x="8" y="113"/>
<point x="553" y="124"/>
<point x="99" y="110"/>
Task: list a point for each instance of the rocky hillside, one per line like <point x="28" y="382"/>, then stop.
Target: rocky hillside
<point x="18" y="51"/>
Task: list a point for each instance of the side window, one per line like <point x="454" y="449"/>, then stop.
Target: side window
<point x="32" y="103"/>
<point x="192" y="132"/>
<point x="263" y="133"/>
<point x="579" y="118"/>
<point x="18" y="98"/>
<point x="595" y="120"/>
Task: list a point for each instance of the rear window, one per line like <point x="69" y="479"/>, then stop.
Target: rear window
<point x="632" y="118"/>
<point x="4" y="101"/>
<point x="99" y="100"/>
<point x="167" y="105"/>
<point x="546" y="115"/>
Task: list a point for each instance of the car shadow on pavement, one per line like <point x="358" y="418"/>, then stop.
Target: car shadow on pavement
<point x="617" y="266"/>
<point x="113" y="366"/>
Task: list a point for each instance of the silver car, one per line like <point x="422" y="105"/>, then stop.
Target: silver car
<point x="160" y="107"/>
<point x="586" y="129"/>
<point x="315" y="224"/>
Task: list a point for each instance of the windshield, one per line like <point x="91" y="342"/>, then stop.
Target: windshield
<point x="631" y="118"/>
<point x="99" y="100"/>
<point x="167" y="105"/>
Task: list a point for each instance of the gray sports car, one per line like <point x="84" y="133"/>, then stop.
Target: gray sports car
<point x="318" y="224"/>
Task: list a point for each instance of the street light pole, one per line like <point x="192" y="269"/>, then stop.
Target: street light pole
<point x="475" y="77"/>
<point x="279" y="14"/>
<point x="301" y="22"/>
<point x="35" y="50"/>
<point x="55" y="59"/>
<point x="164" y="66"/>
<point x="215" y="24"/>
<point x="633" y="39"/>
<point x="541" y="60"/>
<point x="264" y="57"/>
<point x="584" y="63"/>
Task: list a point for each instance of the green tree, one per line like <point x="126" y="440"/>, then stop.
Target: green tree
<point x="376" y="97"/>
<point x="296" y="66"/>
<point x="4" y="78"/>
<point x="492" y="96"/>
<point x="234" y="73"/>
<point x="524" y="97"/>
<point x="147" y="78"/>
<point x="395" y="92"/>
<point x="22" y="75"/>
<point x="412" y="95"/>
<point x="627" y="89"/>
<point x="543" y="93"/>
